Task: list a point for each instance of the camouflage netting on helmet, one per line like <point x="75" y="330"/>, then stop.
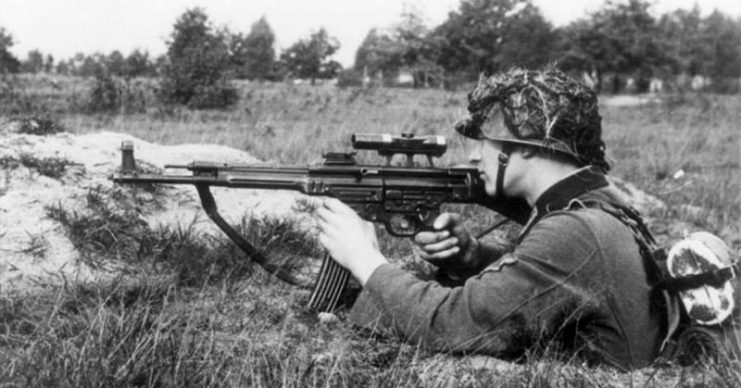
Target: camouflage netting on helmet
<point x="544" y="108"/>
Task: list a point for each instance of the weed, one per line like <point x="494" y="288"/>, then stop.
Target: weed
<point x="40" y="126"/>
<point x="52" y="167"/>
<point x="8" y="162"/>
<point x="104" y="231"/>
<point x="111" y="229"/>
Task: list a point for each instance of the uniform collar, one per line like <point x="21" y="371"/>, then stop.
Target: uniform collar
<point x="574" y="185"/>
<point x="559" y="195"/>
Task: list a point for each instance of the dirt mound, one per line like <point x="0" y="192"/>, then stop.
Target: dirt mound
<point x="40" y="173"/>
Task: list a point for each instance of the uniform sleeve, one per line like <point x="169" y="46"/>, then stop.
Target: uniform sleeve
<point x="506" y="307"/>
<point x="488" y="253"/>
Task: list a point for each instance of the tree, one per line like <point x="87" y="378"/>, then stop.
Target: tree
<point x="681" y="29"/>
<point x="196" y="72"/>
<point x="721" y="36"/>
<point x="63" y="67"/>
<point x="405" y="47"/>
<point x="622" y="39"/>
<point x="379" y="54"/>
<point x="8" y="62"/>
<point x="418" y="53"/>
<point x="587" y="48"/>
<point x="34" y="62"/>
<point x="115" y="63"/>
<point x="254" y="55"/>
<point x="91" y="65"/>
<point x="309" y="58"/>
<point x="49" y="63"/>
<point x="137" y="64"/>
<point x="493" y="35"/>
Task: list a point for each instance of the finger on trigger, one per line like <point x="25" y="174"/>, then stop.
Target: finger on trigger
<point x="441" y="221"/>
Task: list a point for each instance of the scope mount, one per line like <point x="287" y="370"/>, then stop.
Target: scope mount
<point x="430" y="146"/>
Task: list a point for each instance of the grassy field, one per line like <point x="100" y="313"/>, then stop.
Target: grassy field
<point x="195" y="314"/>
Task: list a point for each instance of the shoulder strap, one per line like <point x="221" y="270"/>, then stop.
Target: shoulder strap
<point x="654" y="259"/>
<point x="628" y="216"/>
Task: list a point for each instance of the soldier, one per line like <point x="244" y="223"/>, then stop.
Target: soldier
<point x="573" y="282"/>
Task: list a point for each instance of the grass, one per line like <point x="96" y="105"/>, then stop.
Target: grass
<point x="184" y="309"/>
<point x="52" y="167"/>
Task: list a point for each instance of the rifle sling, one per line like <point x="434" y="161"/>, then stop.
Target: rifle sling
<point x="209" y="205"/>
<point x="332" y="278"/>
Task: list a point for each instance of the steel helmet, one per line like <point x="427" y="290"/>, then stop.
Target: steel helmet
<point x="544" y="109"/>
<point x="698" y="253"/>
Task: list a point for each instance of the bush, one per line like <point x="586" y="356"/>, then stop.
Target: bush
<point x="51" y="167"/>
<point x="105" y="95"/>
<point x="40" y="126"/>
<point x="217" y="96"/>
<point x="111" y="95"/>
<point x="349" y="78"/>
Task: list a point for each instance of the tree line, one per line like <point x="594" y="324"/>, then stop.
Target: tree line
<point x="621" y="44"/>
<point x="243" y="56"/>
<point x="618" y="42"/>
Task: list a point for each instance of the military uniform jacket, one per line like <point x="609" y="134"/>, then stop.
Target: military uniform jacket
<point x="574" y="283"/>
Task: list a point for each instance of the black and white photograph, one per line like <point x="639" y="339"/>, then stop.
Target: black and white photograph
<point x="389" y="193"/>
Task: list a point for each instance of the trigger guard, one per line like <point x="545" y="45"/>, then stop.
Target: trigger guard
<point x="403" y="225"/>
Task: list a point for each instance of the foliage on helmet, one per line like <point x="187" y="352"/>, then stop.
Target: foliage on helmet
<point x="545" y="108"/>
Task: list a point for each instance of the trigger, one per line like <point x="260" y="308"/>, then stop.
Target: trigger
<point x="403" y="225"/>
<point x="428" y="220"/>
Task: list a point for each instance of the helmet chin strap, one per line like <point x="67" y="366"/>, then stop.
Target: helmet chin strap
<point x="503" y="163"/>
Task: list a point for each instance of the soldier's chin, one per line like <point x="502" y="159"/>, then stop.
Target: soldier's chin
<point x="490" y="189"/>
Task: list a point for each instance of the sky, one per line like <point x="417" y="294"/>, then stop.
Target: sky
<point x="64" y="27"/>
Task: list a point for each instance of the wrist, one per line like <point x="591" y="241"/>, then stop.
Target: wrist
<point x="364" y="268"/>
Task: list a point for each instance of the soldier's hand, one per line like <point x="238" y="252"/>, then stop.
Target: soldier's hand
<point x="449" y="245"/>
<point x="349" y="240"/>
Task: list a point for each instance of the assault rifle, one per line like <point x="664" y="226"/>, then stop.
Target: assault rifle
<point x="405" y="199"/>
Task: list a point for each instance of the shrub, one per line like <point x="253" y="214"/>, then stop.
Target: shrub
<point x="105" y="95"/>
<point x="349" y="78"/>
<point x="16" y="99"/>
<point x="52" y="167"/>
<point x="111" y="95"/>
<point x="40" y="126"/>
<point x="217" y="96"/>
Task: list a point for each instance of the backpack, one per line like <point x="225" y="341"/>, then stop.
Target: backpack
<point x="696" y="280"/>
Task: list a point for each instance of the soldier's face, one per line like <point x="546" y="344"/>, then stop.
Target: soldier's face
<point x="484" y="155"/>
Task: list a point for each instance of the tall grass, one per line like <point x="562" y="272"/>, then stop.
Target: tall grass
<point x="187" y="310"/>
<point x="696" y="136"/>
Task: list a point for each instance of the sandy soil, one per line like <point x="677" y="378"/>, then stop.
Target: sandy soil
<point x="34" y="248"/>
